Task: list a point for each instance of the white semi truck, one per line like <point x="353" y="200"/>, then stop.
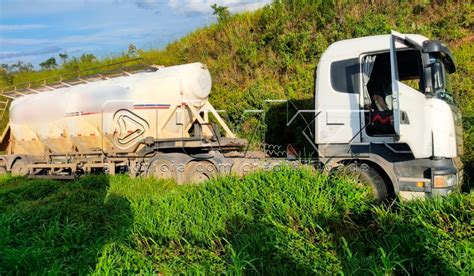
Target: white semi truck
<point x="382" y="106"/>
<point x="385" y="101"/>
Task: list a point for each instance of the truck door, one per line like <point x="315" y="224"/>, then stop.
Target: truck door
<point x="409" y="105"/>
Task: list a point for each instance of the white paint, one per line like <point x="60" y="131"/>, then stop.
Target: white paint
<point x="444" y="136"/>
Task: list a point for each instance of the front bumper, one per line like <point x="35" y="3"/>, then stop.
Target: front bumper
<point x="440" y="179"/>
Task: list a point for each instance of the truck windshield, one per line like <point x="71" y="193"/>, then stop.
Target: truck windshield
<point x="441" y="84"/>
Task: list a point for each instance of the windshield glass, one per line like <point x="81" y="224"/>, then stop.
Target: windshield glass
<point x="440" y="78"/>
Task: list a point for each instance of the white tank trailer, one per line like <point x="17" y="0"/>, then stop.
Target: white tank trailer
<point x="147" y="122"/>
<point x="115" y="114"/>
<point x="383" y="105"/>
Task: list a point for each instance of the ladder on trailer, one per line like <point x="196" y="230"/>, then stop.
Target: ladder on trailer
<point x="113" y="70"/>
<point x="4" y="105"/>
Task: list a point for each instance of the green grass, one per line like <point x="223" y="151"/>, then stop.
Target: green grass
<point x="291" y="221"/>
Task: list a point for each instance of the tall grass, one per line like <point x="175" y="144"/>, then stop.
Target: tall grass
<point x="290" y="221"/>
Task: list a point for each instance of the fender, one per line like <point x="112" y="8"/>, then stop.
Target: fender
<point x="374" y="160"/>
<point x="10" y="159"/>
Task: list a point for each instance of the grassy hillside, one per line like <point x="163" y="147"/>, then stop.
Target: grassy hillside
<point x="287" y="222"/>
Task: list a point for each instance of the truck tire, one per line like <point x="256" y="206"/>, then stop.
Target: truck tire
<point x="369" y="176"/>
<point x="161" y="169"/>
<point x="199" y="171"/>
<point x="19" y="168"/>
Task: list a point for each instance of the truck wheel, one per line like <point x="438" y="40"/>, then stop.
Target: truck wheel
<point x="19" y="168"/>
<point x="200" y="171"/>
<point x="161" y="169"/>
<point x="369" y="176"/>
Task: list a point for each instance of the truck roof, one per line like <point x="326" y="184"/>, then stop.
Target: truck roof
<point x="356" y="46"/>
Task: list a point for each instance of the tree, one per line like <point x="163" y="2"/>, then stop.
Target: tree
<point x="5" y="67"/>
<point x="222" y="12"/>
<point x="49" y="64"/>
<point x="63" y="57"/>
<point x="87" y="58"/>
<point x="6" y="77"/>
<point x="20" y="66"/>
<point x="132" y="50"/>
<point x="7" y="72"/>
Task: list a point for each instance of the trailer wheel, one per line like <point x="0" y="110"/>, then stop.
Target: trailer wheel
<point x="19" y="168"/>
<point x="369" y="176"/>
<point x="200" y="171"/>
<point x="161" y="169"/>
<point x="242" y="167"/>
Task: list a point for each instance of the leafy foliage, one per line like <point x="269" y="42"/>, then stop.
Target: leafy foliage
<point x="48" y="64"/>
<point x="221" y="12"/>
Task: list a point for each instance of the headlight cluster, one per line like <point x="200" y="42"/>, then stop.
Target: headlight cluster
<point x="444" y="181"/>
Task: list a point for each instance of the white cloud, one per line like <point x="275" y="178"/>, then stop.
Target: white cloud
<point x="204" y="6"/>
<point x="103" y="36"/>
<point x="48" y="50"/>
<point x="107" y="36"/>
<point x="21" y="41"/>
<point x="21" y="27"/>
<point x="248" y="6"/>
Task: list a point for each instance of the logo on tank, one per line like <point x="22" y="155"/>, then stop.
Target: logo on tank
<point x="129" y="128"/>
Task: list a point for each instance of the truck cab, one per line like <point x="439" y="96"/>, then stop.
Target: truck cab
<point x="384" y="105"/>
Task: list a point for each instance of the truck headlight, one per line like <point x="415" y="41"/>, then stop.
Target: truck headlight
<point x="444" y="181"/>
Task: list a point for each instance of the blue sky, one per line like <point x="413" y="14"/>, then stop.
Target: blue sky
<point x="34" y="30"/>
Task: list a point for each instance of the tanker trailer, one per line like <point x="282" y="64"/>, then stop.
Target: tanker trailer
<point x="157" y="121"/>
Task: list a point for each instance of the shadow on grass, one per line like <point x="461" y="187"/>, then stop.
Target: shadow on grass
<point x="51" y="226"/>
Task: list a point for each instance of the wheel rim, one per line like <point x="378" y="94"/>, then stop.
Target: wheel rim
<point x="199" y="177"/>
<point x="363" y="179"/>
<point x="19" y="168"/>
<point x="242" y="167"/>
<point x="161" y="169"/>
<point x="197" y="172"/>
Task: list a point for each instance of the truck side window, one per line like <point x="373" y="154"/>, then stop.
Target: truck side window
<point x="345" y="75"/>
